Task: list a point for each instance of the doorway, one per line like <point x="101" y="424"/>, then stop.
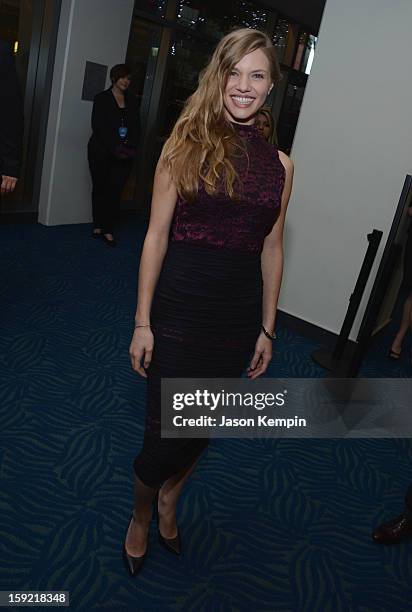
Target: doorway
<point x="30" y="28"/>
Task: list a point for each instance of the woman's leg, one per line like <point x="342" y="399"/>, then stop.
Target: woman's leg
<point x="406" y="324"/>
<point x="168" y="496"/>
<point x="136" y="538"/>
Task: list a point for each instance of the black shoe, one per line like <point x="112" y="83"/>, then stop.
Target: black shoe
<point x="111" y="243"/>
<point x="96" y="234"/>
<point x="173" y="545"/>
<point x="394" y="531"/>
<point x="133" y="564"/>
<point x="394" y="355"/>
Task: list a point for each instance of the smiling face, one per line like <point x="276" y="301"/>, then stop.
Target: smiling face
<point x="123" y="83"/>
<point x="247" y="86"/>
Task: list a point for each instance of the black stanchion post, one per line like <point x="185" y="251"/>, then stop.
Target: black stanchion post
<point x="375" y="302"/>
<point x="325" y="358"/>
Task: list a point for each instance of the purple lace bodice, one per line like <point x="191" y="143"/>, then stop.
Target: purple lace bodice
<point x="240" y="224"/>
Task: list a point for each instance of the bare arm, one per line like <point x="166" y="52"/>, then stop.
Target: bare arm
<point x="272" y="270"/>
<point x="156" y="241"/>
<point x="272" y="253"/>
<point x="153" y="253"/>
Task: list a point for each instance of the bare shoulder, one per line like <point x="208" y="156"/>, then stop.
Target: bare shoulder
<point x="162" y="172"/>
<point x="163" y="184"/>
<point x="286" y="162"/>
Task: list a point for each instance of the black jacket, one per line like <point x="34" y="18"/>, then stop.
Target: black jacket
<point x="11" y="115"/>
<point x="106" y="122"/>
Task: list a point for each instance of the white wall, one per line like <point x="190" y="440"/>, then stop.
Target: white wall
<point x="352" y="150"/>
<point x="89" y="30"/>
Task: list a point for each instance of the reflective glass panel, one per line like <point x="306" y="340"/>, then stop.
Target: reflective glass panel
<point x="154" y="7"/>
<point x="188" y="56"/>
<point x="217" y="18"/>
<point x="16" y="23"/>
<point x="280" y="38"/>
<point x="290" y="109"/>
<point x="142" y="52"/>
<point x="300" y="51"/>
<point x="285" y="40"/>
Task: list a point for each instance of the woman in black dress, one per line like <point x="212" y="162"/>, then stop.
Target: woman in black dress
<point x="211" y="265"/>
<point x="111" y="149"/>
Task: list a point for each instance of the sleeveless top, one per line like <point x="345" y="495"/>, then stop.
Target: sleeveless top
<point x="243" y="223"/>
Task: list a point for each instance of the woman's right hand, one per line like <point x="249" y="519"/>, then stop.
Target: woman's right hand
<point x="141" y="349"/>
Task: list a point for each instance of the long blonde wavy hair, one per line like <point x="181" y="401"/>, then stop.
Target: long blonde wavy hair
<point x="203" y="143"/>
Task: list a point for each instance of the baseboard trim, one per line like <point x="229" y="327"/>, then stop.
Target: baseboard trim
<point x="18" y="217"/>
<point x="314" y="332"/>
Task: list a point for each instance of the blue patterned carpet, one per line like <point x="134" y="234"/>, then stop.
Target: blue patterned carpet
<point x="266" y="525"/>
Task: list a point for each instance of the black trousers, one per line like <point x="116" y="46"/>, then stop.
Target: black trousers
<point x="109" y="176"/>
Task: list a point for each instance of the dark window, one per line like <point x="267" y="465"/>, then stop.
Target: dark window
<point x="154" y="7"/>
<point x="188" y="56"/>
<point x="216" y="17"/>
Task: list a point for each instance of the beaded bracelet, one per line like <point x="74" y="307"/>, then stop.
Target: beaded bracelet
<point x="268" y="335"/>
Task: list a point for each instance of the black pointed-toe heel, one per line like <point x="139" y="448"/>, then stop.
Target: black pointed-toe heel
<point x="173" y="545"/>
<point x="133" y="564"/>
<point x="110" y="243"/>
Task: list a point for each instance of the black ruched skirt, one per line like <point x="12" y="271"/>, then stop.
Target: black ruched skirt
<point x="206" y="316"/>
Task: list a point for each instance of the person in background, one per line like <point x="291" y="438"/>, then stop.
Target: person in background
<point x="111" y="150"/>
<point x="406" y="321"/>
<point x="11" y="121"/>
<point x="400" y="528"/>
<point x="265" y="123"/>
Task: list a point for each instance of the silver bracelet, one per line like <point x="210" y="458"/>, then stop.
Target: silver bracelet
<point x="268" y="335"/>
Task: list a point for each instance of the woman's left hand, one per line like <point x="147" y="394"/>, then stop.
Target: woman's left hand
<point x="261" y="358"/>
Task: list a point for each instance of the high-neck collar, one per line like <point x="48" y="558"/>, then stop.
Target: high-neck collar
<point x="245" y="130"/>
